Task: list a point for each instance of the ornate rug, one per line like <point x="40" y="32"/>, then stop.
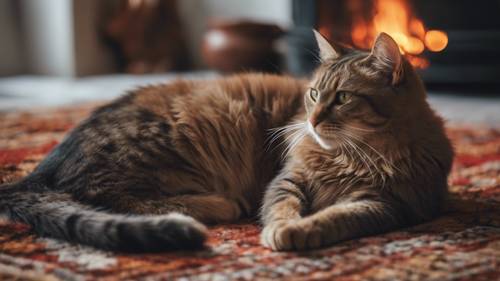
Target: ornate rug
<point x="463" y="244"/>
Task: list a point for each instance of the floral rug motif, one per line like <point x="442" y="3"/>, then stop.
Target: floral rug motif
<point x="462" y="244"/>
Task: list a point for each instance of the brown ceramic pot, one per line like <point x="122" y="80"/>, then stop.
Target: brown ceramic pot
<point x="241" y="46"/>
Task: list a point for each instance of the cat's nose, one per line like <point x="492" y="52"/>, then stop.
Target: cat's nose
<point x="317" y="117"/>
<point x="314" y="121"/>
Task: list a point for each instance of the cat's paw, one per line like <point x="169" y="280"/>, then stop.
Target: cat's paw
<point x="272" y="237"/>
<point x="287" y="236"/>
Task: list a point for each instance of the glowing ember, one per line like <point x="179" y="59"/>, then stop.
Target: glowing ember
<point x="395" y="18"/>
<point x="436" y="40"/>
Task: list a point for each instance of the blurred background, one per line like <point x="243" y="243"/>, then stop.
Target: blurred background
<point x="59" y="52"/>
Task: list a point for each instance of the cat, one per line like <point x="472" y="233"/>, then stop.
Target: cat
<point x="369" y="156"/>
<point x="353" y="152"/>
<point x="145" y="171"/>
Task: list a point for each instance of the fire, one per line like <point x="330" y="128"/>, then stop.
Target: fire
<point x="395" y="18"/>
<point x="436" y="40"/>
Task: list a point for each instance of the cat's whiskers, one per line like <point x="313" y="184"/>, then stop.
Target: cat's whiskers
<point x="280" y="132"/>
<point x="384" y="172"/>
<point x="359" y="129"/>
<point x="357" y="150"/>
<point x="293" y="134"/>
<point x="284" y="129"/>
<point x="354" y="139"/>
<point x="379" y="154"/>
<point x="344" y="150"/>
<point x="296" y="139"/>
<point x="363" y="157"/>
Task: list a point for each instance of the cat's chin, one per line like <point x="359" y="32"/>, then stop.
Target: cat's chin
<point x="324" y="143"/>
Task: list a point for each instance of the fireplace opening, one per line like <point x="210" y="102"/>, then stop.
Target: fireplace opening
<point x="455" y="44"/>
<point x="365" y="20"/>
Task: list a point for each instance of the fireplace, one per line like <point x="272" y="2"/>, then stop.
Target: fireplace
<point x="455" y="43"/>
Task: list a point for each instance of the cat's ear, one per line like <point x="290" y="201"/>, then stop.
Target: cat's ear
<point x="326" y="49"/>
<point x="387" y="57"/>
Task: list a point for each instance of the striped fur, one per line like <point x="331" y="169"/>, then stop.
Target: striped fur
<point x="143" y="172"/>
<point x="216" y="151"/>
<point x="368" y="156"/>
<point x="57" y="215"/>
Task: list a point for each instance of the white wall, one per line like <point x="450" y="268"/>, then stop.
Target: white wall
<point x="195" y="15"/>
<point x="48" y="33"/>
<point x="61" y="38"/>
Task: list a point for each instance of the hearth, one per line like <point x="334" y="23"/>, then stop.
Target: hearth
<point x="451" y="42"/>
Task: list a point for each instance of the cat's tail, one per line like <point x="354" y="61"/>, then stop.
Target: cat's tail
<point x="57" y="215"/>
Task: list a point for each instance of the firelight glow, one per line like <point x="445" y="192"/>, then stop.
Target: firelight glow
<point x="395" y="18"/>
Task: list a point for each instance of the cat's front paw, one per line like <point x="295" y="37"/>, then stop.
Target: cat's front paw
<point x="295" y="235"/>
<point x="273" y="236"/>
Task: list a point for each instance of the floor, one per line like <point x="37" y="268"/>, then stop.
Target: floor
<point x="24" y="92"/>
<point x="462" y="244"/>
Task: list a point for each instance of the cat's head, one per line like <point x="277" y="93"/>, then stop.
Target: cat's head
<point x="358" y="94"/>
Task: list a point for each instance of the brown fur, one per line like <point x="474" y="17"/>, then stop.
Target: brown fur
<point x="207" y="149"/>
<point x="220" y="129"/>
<point x="381" y="161"/>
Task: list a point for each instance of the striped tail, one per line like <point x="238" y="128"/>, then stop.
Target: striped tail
<point x="57" y="215"/>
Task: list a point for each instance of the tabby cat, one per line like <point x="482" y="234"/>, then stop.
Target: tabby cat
<point x="357" y="151"/>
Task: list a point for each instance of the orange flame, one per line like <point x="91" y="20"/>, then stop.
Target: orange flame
<point x="394" y="17"/>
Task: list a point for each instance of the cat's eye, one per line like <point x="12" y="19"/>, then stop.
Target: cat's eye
<point x="313" y="93"/>
<point x="343" y="97"/>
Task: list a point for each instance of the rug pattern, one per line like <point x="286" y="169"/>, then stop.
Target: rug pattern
<point x="463" y="244"/>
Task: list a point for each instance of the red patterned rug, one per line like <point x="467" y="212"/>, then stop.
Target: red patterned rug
<point x="460" y="245"/>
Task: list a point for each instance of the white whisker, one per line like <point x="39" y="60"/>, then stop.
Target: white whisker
<point x="359" y="129"/>
<point x="360" y="153"/>
<point x="280" y="132"/>
<point x="361" y="158"/>
<point x="296" y="139"/>
<point x="384" y="159"/>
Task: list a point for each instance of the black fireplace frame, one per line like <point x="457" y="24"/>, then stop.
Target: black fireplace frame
<point x="471" y="57"/>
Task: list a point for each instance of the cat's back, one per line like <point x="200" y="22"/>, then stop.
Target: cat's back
<point x="276" y="95"/>
<point x="223" y="125"/>
<point x="216" y="131"/>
